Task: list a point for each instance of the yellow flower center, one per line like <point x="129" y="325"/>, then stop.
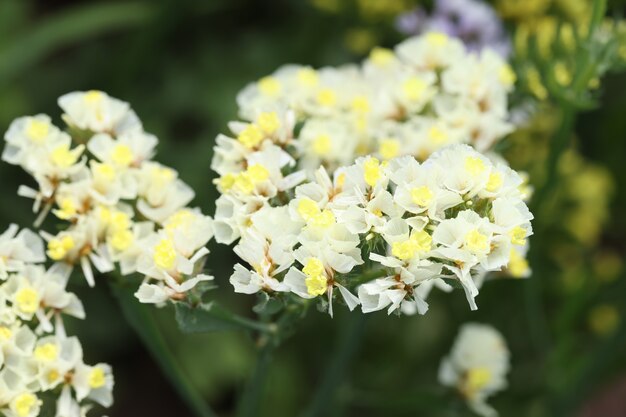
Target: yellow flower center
<point x="96" y="378"/>
<point x="181" y="219"/>
<point x="316" y="285"/>
<point x="518" y="235"/>
<point x="420" y="242"/>
<point x="476" y="241"/>
<point x="122" y="239"/>
<point x="258" y="172"/>
<point x="308" y="209"/>
<point x="518" y="265"/>
<point x="360" y="104"/>
<point x="371" y="171"/>
<point x="104" y="172"/>
<point x="5" y="333"/>
<point x="37" y="130"/>
<point x="327" y="97"/>
<point x="47" y="352"/>
<point x="381" y="57"/>
<point x="119" y="220"/>
<point x="67" y="209"/>
<point x="322" y="144"/>
<point x="27" y="300"/>
<point x="63" y="157"/>
<point x="227" y="181"/>
<point x="474" y="165"/>
<point x="269" y="86"/>
<point x="437" y="39"/>
<point x="162" y="175"/>
<point x="24" y="404"/>
<point x="268" y="122"/>
<point x="122" y="155"/>
<point x="316" y="282"/>
<point x="251" y="136"/>
<point x="93" y="96"/>
<point x="308" y="77"/>
<point x="53" y="376"/>
<point x="165" y="254"/>
<point x="476" y="380"/>
<point x="59" y="247"/>
<point x="413" y="88"/>
<point x="495" y="182"/>
<point x="389" y="148"/>
<point x="324" y="219"/>
<point x="422" y="196"/>
<point x="437" y="135"/>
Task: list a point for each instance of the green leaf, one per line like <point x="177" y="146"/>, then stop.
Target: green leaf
<point x="213" y="318"/>
<point x="72" y="26"/>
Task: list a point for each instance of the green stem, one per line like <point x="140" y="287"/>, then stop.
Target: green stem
<point x="597" y="363"/>
<point x="142" y="321"/>
<point x="585" y="71"/>
<point x="347" y="345"/>
<point x="250" y="400"/>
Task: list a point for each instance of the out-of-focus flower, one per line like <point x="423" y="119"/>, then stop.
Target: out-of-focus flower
<point x="477" y="366"/>
<point x="604" y="319"/>
<point x="475" y="22"/>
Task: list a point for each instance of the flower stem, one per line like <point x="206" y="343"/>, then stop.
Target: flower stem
<point x="347" y="345"/>
<point x="250" y="400"/>
<point x="251" y="397"/>
<point x="142" y="321"/>
<point x="585" y="71"/>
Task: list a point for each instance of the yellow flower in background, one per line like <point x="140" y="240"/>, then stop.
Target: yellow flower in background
<point x="607" y="265"/>
<point x="604" y="319"/>
<point x="360" y="40"/>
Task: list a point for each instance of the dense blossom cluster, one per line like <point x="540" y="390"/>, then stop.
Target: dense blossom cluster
<point x="36" y="355"/>
<point x="309" y="219"/>
<point x="477" y="366"/>
<point x="427" y="94"/>
<point x="118" y="206"/>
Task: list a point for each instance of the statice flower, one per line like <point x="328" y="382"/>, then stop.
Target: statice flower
<point x="357" y="183"/>
<point x="119" y="207"/>
<point x="475" y="22"/>
<point x="477" y="366"/>
<point x="37" y="358"/>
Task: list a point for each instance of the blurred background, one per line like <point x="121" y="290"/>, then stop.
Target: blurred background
<point x="180" y="63"/>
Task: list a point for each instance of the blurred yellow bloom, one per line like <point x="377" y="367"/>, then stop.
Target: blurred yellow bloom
<point x="360" y="40"/>
<point x="603" y="319"/>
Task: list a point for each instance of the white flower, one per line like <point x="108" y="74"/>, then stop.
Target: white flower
<point x="477" y="366"/>
<point x="17" y="248"/>
<point x="94" y="382"/>
<point x="98" y="112"/>
<point x="317" y="277"/>
<point x="128" y="150"/>
<point x="36" y="292"/>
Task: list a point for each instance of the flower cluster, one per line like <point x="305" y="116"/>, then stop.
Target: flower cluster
<point x="454" y="217"/>
<point x="308" y="218"/>
<point x="477" y="366"/>
<point x="118" y="205"/>
<point x="36" y="355"/>
<point x="427" y="94"/>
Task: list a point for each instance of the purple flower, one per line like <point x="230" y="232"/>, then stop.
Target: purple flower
<point x="473" y="21"/>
